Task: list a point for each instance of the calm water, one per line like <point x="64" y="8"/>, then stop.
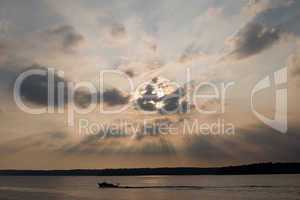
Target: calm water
<point x="210" y="187"/>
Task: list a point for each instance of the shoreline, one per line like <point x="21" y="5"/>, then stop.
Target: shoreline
<point x="251" y="169"/>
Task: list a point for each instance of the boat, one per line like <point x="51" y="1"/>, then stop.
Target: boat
<point x="107" y="185"/>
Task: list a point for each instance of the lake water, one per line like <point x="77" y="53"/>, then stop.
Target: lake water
<point x="207" y="188"/>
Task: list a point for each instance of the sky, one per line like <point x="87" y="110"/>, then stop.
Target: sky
<point x="212" y="69"/>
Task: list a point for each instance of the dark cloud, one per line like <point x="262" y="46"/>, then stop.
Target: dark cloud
<point x="7" y="75"/>
<point x="58" y="135"/>
<point x="254" y="38"/>
<point x="84" y="98"/>
<point x="111" y="97"/>
<point x="148" y="101"/>
<point x="266" y="28"/>
<point x="118" y="31"/>
<point x="191" y="53"/>
<point x="114" y="97"/>
<point x="130" y="73"/>
<point x="66" y="35"/>
<point x="174" y="103"/>
<point x="112" y="26"/>
<point x="35" y="87"/>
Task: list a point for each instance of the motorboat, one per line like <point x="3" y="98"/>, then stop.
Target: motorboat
<point x="107" y="185"/>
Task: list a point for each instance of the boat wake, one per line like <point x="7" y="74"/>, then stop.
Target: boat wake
<point x="192" y="187"/>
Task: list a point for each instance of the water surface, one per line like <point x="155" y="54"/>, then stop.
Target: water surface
<point x="254" y="187"/>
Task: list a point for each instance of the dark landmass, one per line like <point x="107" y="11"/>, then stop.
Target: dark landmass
<point x="261" y="168"/>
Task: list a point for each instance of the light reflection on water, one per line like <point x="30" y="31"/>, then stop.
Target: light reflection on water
<point x="154" y="187"/>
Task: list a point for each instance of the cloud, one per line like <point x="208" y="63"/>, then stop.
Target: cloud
<point x="157" y="127"/>
<point x="65" y="37"/>
<point x="118" y="31"/>
<point x="53" y="46"/>
<point x="159" y="96"/>
<point x="150" y="138"/>
<point x="174" y="102"/>
<point x="251" y="144"/>
<point x="49" y="141"/>
<point x="35" y="87"/>
<point x="28" y="17"/>
<point x="160" y="146"/>
<point x="113" y="31"/>
<point x="255" y="7"/>
<point x="148" y="141"/>
<point x="258" y="144"/>
<point x="152" y="40"/>
<point x="7" y="75"/>
<point x="192" y="53"/>
<point x="254" y="38"/>
<point x="114" y="97"/>
<point x="130" y="73"/>
<point x="266" y="28"/>
<point x="84" y="98"/>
